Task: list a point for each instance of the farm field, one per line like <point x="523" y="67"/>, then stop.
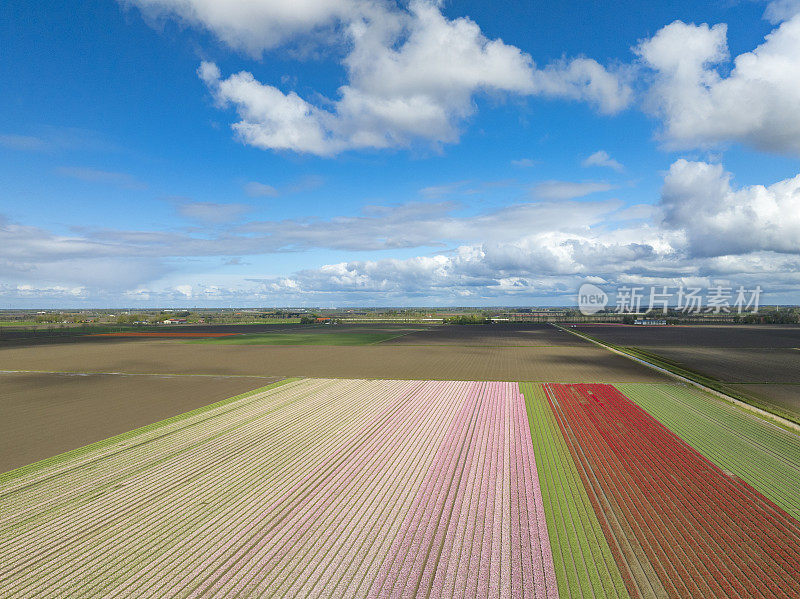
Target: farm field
<point x="309" y="489"/>
<point x="334" y="337"/>
<point x="783" y="396"/>
<point x="584" y="564"/>
<point x="722" y="336"/>
<point x="371" y="488"/>
<point x="498" y="334"/>
<point x="678" y="525"/>
<point x="763" y="455"/>
<point x="582" y="474"/>
<point x="737" y="365"/>
<point x="568" y="363"/>
<point x="734" y="357"/>
<point x="44" y="414"/>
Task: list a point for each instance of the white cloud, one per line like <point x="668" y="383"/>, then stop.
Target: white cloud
<point x="566" y="190"/>
<point x="254" y="25"/>
<point x="94" y="175"/>
<point x="585" y="79"/>
<point x="211" y="212"/>
<point x="781" y="10"/>
<point x="271" y="119"/>
<point x="601" y="158"/>
<point x="412" y="74"/>
<point x="23" y="142"/>
<point x="524" y="162"/>
<point x="755" y="104"/>
<point x="703" y="229"/>
<point x="717" y="219"/>
<point x="257" y="190"/>
<point x="437" y="191"/>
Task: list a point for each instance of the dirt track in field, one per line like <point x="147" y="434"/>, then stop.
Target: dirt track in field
<point x="47" y="414"/>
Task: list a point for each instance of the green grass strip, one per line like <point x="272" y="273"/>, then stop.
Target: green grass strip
<point x="7" y="477"/>
<point x="764" y="455"/>
<point x="582" y="558"/>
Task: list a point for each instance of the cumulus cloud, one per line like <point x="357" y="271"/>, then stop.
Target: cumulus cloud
<point x="585" y="79"/>
<point x="700" y="106"/>
<point x="412" y="73"/>
<point x="566" y="190"/>
<point x="704" y="228"/>
<point x="259" y="190"/>
<point x="781" y="10"/>
<point x="254" y="25"/>
<point x="718" y="219"/>
<point x="601" y="158"/>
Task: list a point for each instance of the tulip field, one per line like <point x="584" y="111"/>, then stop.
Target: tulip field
<point x="409" y="488"/>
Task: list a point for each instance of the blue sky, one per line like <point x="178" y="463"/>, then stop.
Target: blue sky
<point x="351" y="152"/>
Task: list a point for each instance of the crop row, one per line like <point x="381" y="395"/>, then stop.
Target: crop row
<point x="584" y="564"/>
<point x="677" y="525"/>
<point x="765" y="456"/>
<point x="318" y="488"/>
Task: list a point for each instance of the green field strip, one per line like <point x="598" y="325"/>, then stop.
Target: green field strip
<point x="583" y="561"/>
<point x="765" y="456"/>
<point x="117" y="440"/>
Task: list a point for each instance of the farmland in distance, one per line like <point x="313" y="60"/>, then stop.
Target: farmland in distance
<point x="44" y="414"/>
<point x="757" y="364"/>
<point x="551" y="355"/>
<point x="583" y="474"/>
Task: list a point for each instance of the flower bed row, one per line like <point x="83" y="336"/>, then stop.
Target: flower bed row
<point x="319" y="488"/>
<point x="678" y="525"/>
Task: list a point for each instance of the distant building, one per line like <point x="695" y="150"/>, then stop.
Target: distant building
<point x="175" y="321"/>
<point x="649" y="321"/>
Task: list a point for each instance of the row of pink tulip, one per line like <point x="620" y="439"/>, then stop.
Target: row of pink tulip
<point x="319" y="489"/>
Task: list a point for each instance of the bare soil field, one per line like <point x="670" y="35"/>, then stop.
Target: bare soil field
<point x="741" y="336"/>
<point x="767" y="356"/>
<point x="488" y="335"/>
<point x="735" y="365"/>
<point x="552" y="363"/>
<point x="47" y="414"/>
<point x="783" y="396"/>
